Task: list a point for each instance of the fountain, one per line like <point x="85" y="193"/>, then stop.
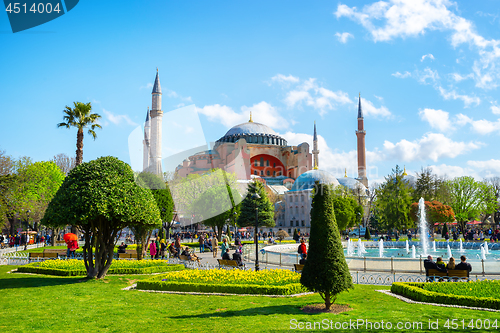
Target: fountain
<point x="361" y="248"/>
<point x="449" y="251"/>
<point x="434" y="246"/>
<point x="413" y="252"/>
<point x="483" y="253"/>
<point x="407" y="247"/>
<point x="350" y="248"/>
<point x="461" y="246"/>
<point x="381" y="248"/>
<point x="422" y="225"/>
<point x="486" y="251"/>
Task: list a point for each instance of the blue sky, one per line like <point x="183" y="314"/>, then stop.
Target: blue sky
<point x="428" y="73"/>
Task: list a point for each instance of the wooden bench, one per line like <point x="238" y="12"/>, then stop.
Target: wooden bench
<point x="453" y="274"/>
<point x="131" y="251"/>
<point x="186" y="258"/>
<point x="58" y="252"/>
<point x="127" y="255"/>
<point x="229" y="263"/>
<point x="298" y="268"/>
<point x="39" y="256"/>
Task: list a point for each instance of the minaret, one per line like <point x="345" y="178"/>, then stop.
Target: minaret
<point x="146" y="143"/>
<point x="360" y="133"/>
<point x="156" y="125"/>
<point x="315" y="148"/>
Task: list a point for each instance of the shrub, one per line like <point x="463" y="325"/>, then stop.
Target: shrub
<point x="418" y="292"/>
<point x="76" y="267"/>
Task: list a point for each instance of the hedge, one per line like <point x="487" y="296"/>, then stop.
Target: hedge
<point x="289" y="289"/>
<point x="416" y="292"/>
<point x="74" y="272"/>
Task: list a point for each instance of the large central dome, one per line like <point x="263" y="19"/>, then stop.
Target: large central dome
<point x="253" y="133"/>
<point x="250" y="128"/>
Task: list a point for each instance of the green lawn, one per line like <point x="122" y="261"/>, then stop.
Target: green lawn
<point x="70" y="304"/>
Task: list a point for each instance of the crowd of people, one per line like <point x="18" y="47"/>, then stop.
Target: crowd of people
<point x="22" y="239"/>
<point x="443" y="267"/>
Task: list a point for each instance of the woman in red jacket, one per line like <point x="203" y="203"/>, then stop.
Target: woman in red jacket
<point x="302" y="248"/>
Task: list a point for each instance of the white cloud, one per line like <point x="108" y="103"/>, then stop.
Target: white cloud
<point x="387" y="20"/>
<point x="118" y="118"/>
<point x="147" y="86"/>
<point x="476" y="169"/>
<point x="430" y="56"/>
<point x="489" y="168"/>
<point x="370" y="110"/>
<point x="343" y="37"/>
<point x="262" y="112"/>
<point x="458" y="78"/>
<point x="468" y="100"/>
<point x="484" y="126"/>
<point x="312" y="94"/>
<point x="401" y="76"/>
<point x="438" y="119"/>
<point x="285" y="79"/>
<point x="431" y="146"/>
<point x="427" y="74"/>
<point x="381" y="99"/>
<point x="495" y="108"/>
<point x="173" y="94"/>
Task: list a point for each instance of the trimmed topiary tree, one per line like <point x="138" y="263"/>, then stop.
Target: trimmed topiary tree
<point x="367" y="234"/>
<point x="100" y="197"/>
<point x="326" y="270"/>
<point x="445" y="230"/>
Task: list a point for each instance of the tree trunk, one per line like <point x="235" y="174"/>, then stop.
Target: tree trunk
<point x="219" y="234"/>
<point x="328" y="303"/>
<point x="79" y="147"/>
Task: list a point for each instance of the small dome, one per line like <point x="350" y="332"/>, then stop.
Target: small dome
<point x="352" y="184"/>
<point x="307" y="180"/>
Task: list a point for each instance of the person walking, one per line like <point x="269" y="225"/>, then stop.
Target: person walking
<point x="201" y="241"/>
<point x="152" y="249"/>
<point x="225" y="246"/>
<point x="215" y="245"/>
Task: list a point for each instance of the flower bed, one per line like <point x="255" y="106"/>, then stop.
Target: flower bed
<point x="482" y="294"/>
<point x="266" y="282"/>
<point x="75" y="267"/>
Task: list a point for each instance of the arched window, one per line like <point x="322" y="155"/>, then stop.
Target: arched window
<point x="262" y="161"/>
<point x="268" y="172"/>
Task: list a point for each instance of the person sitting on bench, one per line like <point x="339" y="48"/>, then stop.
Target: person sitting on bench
<point x="121" y="248"/>
<point x="225" y="255"/>
<point x="237" y="257"/>
<point x="303" y="260"/>
<point x="463" y="264"/>
<point x="429" y="264"/>
<point x="191" y="256"/>
<point x="173" y="250"/>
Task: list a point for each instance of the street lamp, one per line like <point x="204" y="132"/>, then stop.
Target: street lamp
<point x="359" y="225"/>
<point x="256" y="196"/>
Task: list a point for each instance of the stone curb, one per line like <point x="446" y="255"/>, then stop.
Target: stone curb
<point x="407" y="300"/>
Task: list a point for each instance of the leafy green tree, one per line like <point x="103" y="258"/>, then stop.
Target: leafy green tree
<point x="436" y="212"/>
<point x="248" y="205"/>
<point x="36" y="185"/>
<point x="282" y="234"/>
<point x="217" y="207"/>
<point x="81" y="117"/>
<point x="348" y="210"/>
<point x="101" y="198"/>
<point x="394" y="198"/>
<point x="325" y="270"/>
<point x="429" y="186"/>
<point x="470" y="198"/>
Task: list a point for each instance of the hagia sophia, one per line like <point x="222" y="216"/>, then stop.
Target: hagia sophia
<point x="254" y="151"/>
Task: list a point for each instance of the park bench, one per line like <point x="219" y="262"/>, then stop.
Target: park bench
<point x="39" y="256"/>
<point x="186" y="258"/>
<point x="127" y="255"/>
<point x="452" y="275"/>
<point x="298" y="268"/>
<point x="229" y="263"/>
<point x="58" y="252"/>
<point x="130" y="251"/>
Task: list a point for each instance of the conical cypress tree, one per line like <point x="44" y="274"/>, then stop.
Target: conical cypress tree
<point x="367" y="234"/>
<point x="325" y="270"/>
<point x="445" y="230"/>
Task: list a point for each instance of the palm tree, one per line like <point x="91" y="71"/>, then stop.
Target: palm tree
<point x="80" y="117"/>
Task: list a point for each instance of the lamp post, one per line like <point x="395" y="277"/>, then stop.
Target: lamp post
<point x="256" y="196"/>
<point x="359" y="225"/>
